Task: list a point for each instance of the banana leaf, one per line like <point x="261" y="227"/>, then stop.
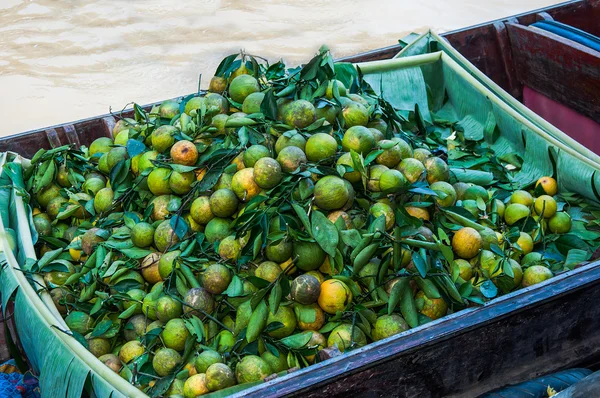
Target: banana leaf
<point x="64" y="366"/>
<point x="431" y="42"/>
<point x="454" y="92"/>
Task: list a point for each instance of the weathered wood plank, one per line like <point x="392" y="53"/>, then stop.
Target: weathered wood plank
<point x="559" y="68"/>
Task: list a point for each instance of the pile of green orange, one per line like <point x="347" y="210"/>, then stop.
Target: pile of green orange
<point x="226" y="236"/>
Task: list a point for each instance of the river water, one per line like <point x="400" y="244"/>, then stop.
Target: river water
<point x="71" y="59"/>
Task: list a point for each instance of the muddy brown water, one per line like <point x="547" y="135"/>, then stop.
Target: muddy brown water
<point x="70" y="59"/>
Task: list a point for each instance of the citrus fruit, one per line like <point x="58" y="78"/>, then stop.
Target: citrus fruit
<point x="285" y="315"/>
<point x="536" y="274"/>
<point x="277" y="363"/>
<point x="309" y="317"/>
<point x="290" y="138"/>
<point x="207" y="358"/>
<point x="327" y="111"/>
<point x="299" y="114"/>
<point x="548" y="184"/>
<point x="243" y="184"/>
<point x="359" y="139"/>
<point x="268" y="270"/>
<point x="467" y="242"/>
<point x="165" y="361"/>
<point x="464" y="268"/>
<point x="344" y="336"/>
<point x="382" y="209"/>
<point x="198" y="301"/>
<point x="230" y="248"/>
<point x="184" y="152"/>
<point x="167" y="309"/>
<point x="80" y="322"/>
<point x="418" y="212"/>
<point x="216" y="103"/>
<point x="346" y="159"/>
<point x="181" y="183"/>
<point x="320" y="146"/>
<point x="335" y="215"/>
<point x="489" y="237"/>
<point x="254" y="153"/>
<point x="90" y="240"/>
<point x="174" y="334"/>
<point x="355" y="114"/>
<point x="142" y="234"/>
<point x="252" y="103"/>
<point x="388" y="325"/>
<point x="475" y="191"/>
<point x="242" y="86"/>
<point x="195" y="385"/>
<point x="446" y="193"/>
<point x="432" y="308"/>
<point x="167" y="263"/>
<point x="330" y="89"/>
<point x="545" y="206"/>
<point x="335" y="296"/>
<point x="521" y="197"/>
<point x="280" y="251"/>
<point x="215" y="278"/>
<point x="158" y="181"/>
<point x="525" y="243"/>
<point x="392" y="181"/>
<point x="305" y="289"/>
<point x="168" y="109"/>
<point x="308" y="255"/>
<point x="531" y="258"/>
<point x="421" y="154"/>
<point x="200" y="210"/>
<point x="163" y="138"/>
<point x="515" y="212"/>
<point x="251" y="368"/>
<point x="437" y="170"/>
<point x="223" y="203"/>
<point x="135" y="327"/>
<point x="42" y="224"/>
<point x="193" y="104"/>
<point x="112" y="361"/>
<point x="290" y="158"/>
<point x="98" y="147"/>
<point x="560" y="223"/>
<point x="145" y="161"/>
<point x="375" y="173"/>
<point x="219" y="376"/>
<point x="412" y="169"/>
<point x="267" y="173"/>
<point x="130" y="351"/>
<point x="165" y="236"/>
<point x="217" y="229"/>
<point x="331" y="193"/>
<point x="160" y="206"/>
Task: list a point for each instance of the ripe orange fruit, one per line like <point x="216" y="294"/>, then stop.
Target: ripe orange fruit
<point x="433" y="308"/>
<point x="419" y="212"/>
<point x="335" y="296"/>
<point x="548" y="184"/>
<point x="184" y="152"/>
<point x="467" y="242"/>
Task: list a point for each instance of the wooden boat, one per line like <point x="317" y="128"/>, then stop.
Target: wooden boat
<point x="487" y="46"/>
<point x="530" y="332"/>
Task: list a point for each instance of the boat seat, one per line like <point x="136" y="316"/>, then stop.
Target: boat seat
<point x="569" y="32"/>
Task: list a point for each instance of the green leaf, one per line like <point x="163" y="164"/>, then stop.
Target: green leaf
<point x="575" y="257"/>
<point x="302" y="216"/>
<point x="275" y="298"/>
<point x="324" y="232"/>
<point x="396" y="294"/>
<point x="297" y="341"/>
<point x="488" y="289"/>
<point x="257" y="322"/>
